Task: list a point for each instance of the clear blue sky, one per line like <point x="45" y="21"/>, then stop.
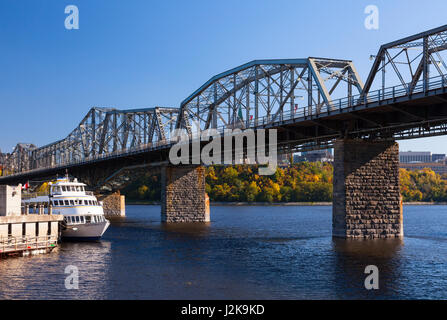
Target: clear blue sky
<point x="129" y="54"/>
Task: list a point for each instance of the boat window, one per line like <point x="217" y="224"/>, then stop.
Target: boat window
<point x="66" y="202"/>
<point x="77" y="219"/>
<point x="81" y="218"/>
<point x="64" y="188"/>
<point x="71" y="202"/>
<point x="88" y="219"/>
<point x="90" y="202"/>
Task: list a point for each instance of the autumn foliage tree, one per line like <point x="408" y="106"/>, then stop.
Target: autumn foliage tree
<point x="301" y="182"/>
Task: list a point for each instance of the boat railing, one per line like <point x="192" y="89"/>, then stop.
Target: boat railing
<point x="23" y="243"/>
<point x="34" y="195"/>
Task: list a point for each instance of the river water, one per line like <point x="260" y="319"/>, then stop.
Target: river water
<point x="278" y="252"/>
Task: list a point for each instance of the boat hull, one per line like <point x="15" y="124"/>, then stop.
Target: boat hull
<point x="85" y="232"/>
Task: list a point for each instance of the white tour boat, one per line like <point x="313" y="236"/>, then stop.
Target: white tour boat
<point x="83" y="214"/>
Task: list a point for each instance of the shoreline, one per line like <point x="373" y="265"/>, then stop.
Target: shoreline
<point x="273" y="204"/>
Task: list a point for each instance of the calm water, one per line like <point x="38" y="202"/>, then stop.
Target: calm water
<point x="245" y="253"/>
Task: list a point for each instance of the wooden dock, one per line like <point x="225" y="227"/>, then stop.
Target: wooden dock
<point x="27" y="245"/>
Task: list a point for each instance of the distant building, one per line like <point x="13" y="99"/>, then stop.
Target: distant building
<point x="314" y="156"/>
<point x="412" y="157"/>
<point x="438" y="167"/>
<point x="438" y="157"/>
<point x="284" y="159"/>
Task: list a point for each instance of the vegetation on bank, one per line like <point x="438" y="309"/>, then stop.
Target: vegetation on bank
<point x="302" y="182"/>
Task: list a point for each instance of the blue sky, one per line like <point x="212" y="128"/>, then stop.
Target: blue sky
<point x="131" y="54"/>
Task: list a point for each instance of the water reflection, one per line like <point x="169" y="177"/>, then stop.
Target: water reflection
<point x="193" y="230"/>
<point x="244" y="253"/>
<point x="351" y="258"/>
<point x="43" y="276"/>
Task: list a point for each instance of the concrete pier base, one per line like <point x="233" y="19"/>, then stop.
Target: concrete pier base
<point x="183" y="197"/>
<point x="114" y="205"/>
<point x="367" y="202"/>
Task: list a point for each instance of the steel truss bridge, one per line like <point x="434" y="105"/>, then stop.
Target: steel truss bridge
<point x="311" y="102"/>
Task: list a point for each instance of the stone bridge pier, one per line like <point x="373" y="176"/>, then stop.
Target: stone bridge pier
<point x="367" y="202"/>
<point x="183" y="197"/>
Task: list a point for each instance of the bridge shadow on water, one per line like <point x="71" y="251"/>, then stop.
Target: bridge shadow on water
<point x="351" y="258"/>
<point x="193" y="230"/>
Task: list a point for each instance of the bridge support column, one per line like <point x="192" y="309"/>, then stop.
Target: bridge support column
<point x="183" y="197"/>
<point x="114" y="205"/>
<point x="367" y="202"/>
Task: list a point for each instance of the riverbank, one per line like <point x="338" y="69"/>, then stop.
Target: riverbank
<point x="217" y="203"/>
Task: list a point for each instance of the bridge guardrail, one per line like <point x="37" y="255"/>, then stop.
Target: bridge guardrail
<point x="341" y="105"/>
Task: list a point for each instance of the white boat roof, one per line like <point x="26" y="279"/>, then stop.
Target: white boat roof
<point x="67" y="182"/>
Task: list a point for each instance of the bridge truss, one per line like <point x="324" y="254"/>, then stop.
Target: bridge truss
<point x="310" y="101"/>
<point x="411" y="62"/>
<point x="264" y="91"/>
<point x="103" y="131"/>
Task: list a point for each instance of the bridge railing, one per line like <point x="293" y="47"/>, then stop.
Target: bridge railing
<point x="313" y="111"/>
<point x="347" y="103"/>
